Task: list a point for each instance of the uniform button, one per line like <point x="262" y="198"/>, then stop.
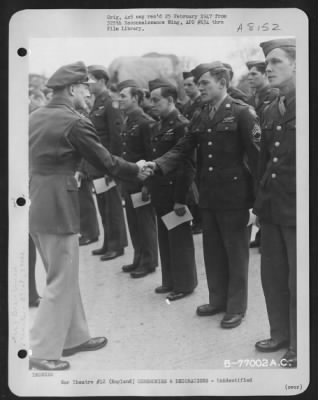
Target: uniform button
<point x="154" y="150"/>
<point x="124" y="153"/>
<point x="210" y="155"/>
<point x="235" y="178"/>
<point x="274" y="176"/>
<point x="209" y="143"/>
<point x="170" y="183"/>
<point x="226" y="128"/>
<point x="209" y="130"/>
<point x="156" y="139"/>
<point x="277" y="144"/>
<point x="124" y="143"/>
<point x="278" y="127"/>
<point x="275" y="159"/>
<point x="210" y="168"/>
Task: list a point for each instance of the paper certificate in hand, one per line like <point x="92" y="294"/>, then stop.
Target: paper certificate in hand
<point x="138" y="201"/>
<point x="171" y="220"/>
<point x="101" y="186"/>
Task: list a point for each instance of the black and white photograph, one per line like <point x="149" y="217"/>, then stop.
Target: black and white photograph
<point x="160" y="203"/>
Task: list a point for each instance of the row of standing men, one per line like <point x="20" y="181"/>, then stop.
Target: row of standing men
<point x="224" y="138"/>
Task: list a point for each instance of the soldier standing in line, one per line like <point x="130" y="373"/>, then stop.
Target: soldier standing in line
<point x="169" y="193"/>
<point x="224" y="132"/>
<point x="108" y="123"/>
<point x="141" y="220"/>
<point x="189" y="108"/>
<point x="276" y="201"/>
<point x="59" y="137"/>
<point x="263" y="95"/>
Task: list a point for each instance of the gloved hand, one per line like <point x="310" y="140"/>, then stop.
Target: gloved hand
<point x="145" y="195"/>
<point x="179" y="209"/>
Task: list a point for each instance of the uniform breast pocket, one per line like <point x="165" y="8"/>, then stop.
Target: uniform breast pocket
<point x="226" y="127"/>
<point x="226" y="134"/>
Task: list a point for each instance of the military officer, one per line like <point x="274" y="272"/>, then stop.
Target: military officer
<point x="192" y="91"/>
<point x="141" y="220"/>
<point x="262" y="96"/>
<point x="276" y="201"/>
<point x="59" y="138"/>
<point x="169" y="193"/>
<point x="224" y="133"/>
<point x="108" y="123"/>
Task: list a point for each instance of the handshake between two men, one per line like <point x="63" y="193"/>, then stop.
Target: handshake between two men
<point x="146" y="169"/>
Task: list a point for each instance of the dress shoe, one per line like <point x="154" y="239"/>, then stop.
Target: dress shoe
<point x="163" y="289"/>
<point x="289" y="359"/>
<point x="141" y="272"/>
<point x="269" y="345"/>
<point x="129" y="267"/>
<point x="231" y="320"/>
<point x="35" y="303"/>
<point x="83" y="241"/>
<point x="91" y="345"/>
<point x="99" y="252"/>
<point x="177" y="295"/>
<point x="208" y="309"/>
<point x="48" y="365"/>
<point x="110" y="255"/>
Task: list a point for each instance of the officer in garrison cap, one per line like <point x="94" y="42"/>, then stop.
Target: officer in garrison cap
<point x="262" y="96"/>
<point x="276" y="201"/>
<point x="224" y="133"/>
<point x="108" y="122"/>
<point x="141" y="220"/>
<point x="169" y="193"/>
<point x="59" y="138"/>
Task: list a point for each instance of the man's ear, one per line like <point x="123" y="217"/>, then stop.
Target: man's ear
<point x="70" y="90"/>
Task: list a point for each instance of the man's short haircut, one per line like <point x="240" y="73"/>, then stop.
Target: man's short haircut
<point x="169" y="91"/>
<point x="290" y="52"/>
<point x="136" y="92"/>
<point x="100" y="75"/>
<point x="221" y="74"/>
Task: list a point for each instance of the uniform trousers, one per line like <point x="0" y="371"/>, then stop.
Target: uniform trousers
<point x="177" y="257"/>
<point x="88" y="217"/>
<point x="112" y="215"/>
<point x="226" y="255"/>
<point x="278" y="272"/>
<point x="143" y="234"/>
<point x="33" y="293"/>
<point x="60" y="321"/>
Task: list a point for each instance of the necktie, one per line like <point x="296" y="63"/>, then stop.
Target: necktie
<point x="212" y="112"/>
<point x="281" y="105"/>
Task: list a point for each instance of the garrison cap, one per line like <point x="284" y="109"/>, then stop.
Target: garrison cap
<point x="203" y="68"/>
<point x="98" y="68"/>
<point x="69" y="75"/>
<point x="159" y="83"/>
<point x="256" y="63"/>
<point x="277" y="43"/>
<point x="187" y="74"/>
<point x="128" y="83"/>
<point x="230" y="69"/>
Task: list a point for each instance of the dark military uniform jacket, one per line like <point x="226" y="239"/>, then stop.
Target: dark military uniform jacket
<point x="223" y="143"/>
<point x="135" y="142"/>
<point x="59" y="138"/>
<point x="173" y="187"/>
<point x="189" y="107"/>
<point x="276" y="197"/>
<point x="108" y="122"/>
<point x="263" y="99"/>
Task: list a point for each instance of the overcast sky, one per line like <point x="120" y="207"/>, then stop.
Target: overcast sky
<point x="48" y="54"/>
